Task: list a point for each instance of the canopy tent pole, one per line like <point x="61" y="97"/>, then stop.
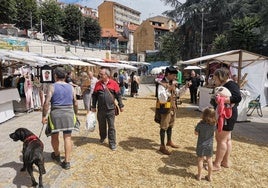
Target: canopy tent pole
<point x="1" y="73"/>
<point x="239" y="67"/>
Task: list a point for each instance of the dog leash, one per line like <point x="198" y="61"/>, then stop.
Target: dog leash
<point x="41" y="131"/>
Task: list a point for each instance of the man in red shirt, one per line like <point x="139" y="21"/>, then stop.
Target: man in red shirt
<point x="105" y="92"/>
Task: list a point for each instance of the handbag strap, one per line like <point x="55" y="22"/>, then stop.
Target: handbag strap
<point x="105" y="88"/>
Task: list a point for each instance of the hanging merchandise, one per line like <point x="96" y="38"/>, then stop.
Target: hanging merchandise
<point x="20" y="86"/>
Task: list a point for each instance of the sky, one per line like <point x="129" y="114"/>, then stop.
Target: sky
<point x="147" y="8"/>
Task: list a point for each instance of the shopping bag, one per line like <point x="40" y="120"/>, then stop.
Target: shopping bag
<point x="91" y="121"/>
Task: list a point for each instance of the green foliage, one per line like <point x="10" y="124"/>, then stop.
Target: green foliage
<point x="92" y="31"/>
<point x="51" y="15"/>
<point x="8" y="11"/>
<point x="156" y="56"/>
<point x="26" y="9"/>
<point x="220" y="44"/>
<point x="244" y="33"/>
<point x="218" y="19"/>
<point x="170" y="47"/>
<point x="72" y="23"/>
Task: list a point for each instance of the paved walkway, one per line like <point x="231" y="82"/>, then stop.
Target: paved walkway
<point x="10" y="157"/>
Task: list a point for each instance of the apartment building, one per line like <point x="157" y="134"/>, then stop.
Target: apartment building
<point x="114" y="15"/>
<point x="148" y="34"/>
<point x="88" y="12"/>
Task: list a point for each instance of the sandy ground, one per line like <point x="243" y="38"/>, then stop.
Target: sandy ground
<point x="137" y="161"/>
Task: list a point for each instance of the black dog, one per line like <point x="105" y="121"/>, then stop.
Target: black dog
<point x="32" y="153"/>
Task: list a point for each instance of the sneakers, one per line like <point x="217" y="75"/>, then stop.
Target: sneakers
<point x="55" y="157"/>
<point x="113" y="147"/>
<point x="65" y="165"/>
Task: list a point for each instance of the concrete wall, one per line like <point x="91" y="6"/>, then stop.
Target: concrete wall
<point x="147" y="79"/>
<point x="36" y="46"/>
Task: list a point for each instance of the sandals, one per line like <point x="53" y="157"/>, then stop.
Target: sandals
<point x="208" y="178"/>
<point x="198" y="178"/>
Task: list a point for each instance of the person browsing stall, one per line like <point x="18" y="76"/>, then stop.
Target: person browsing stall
<point x="194" y="83"/>
<point x="105" y="92"/>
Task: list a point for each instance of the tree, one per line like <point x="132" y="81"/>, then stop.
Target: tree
<point x="245" y="34"/>
<point x="8" y="11"/>
<point x="170" y="47"/>
<point x="92" y="31"/>
<point x="51" y="15"/>
<point x="72" y="23"/>
<point x="217" y="19"/>
<point x="27" y="14"/>
<point x="220" y="44"/>
<point x="263" y="14"/>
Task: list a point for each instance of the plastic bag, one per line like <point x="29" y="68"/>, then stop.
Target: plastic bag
<point x="91" y="121"/>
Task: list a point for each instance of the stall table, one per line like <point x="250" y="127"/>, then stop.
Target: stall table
<point x="204" y="97"/>
<point x="204" y="102"/>
<point x="6" y="103"/>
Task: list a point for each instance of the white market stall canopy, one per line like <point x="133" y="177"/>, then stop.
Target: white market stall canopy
<point x="34" y="60"/>
<point x="192" y="68"/>
<point x="157" y="70"/>
<point x="134" y="62"/>
<point x="255" y="65"/>
<point x="125" y="66"/>
<point x="31" y="59"/>
<point x="74" y="62"/>
<point x="235" y="58"/>
<point x="101" y="62"/>
<point x="230" y="57"/>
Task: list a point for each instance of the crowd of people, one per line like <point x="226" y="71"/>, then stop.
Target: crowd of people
<point x="101" y="92"/>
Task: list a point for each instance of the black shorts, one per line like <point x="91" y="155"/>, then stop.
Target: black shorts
<point x="229" y="123"/>
<point x="65" y="132"/>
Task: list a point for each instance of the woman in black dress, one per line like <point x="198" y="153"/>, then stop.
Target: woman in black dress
<point x="134" y="84"/>
<point x="223" y="138"/>
<point x="194" y="83"/>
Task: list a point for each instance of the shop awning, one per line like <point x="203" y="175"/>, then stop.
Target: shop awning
<point x="73" y="62"/>
<point x="192" y="68"/>
<point x="230" y="57"/>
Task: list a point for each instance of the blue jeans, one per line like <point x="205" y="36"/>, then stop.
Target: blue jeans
<point x="122" y="91"/>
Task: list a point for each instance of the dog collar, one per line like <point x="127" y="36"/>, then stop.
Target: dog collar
<point x="31" y="138"/>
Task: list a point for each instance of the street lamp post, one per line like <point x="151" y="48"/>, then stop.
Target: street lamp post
<point x="202" y="32"/>
<point x="41" y="29"/>
<point x="31" y="17"/>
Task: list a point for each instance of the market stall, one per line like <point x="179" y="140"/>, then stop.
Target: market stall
<point x="21" y="72"/>
<point x="242" y="63"/>
<point x="32" y="65"/>
<point x="6" y="103"/>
